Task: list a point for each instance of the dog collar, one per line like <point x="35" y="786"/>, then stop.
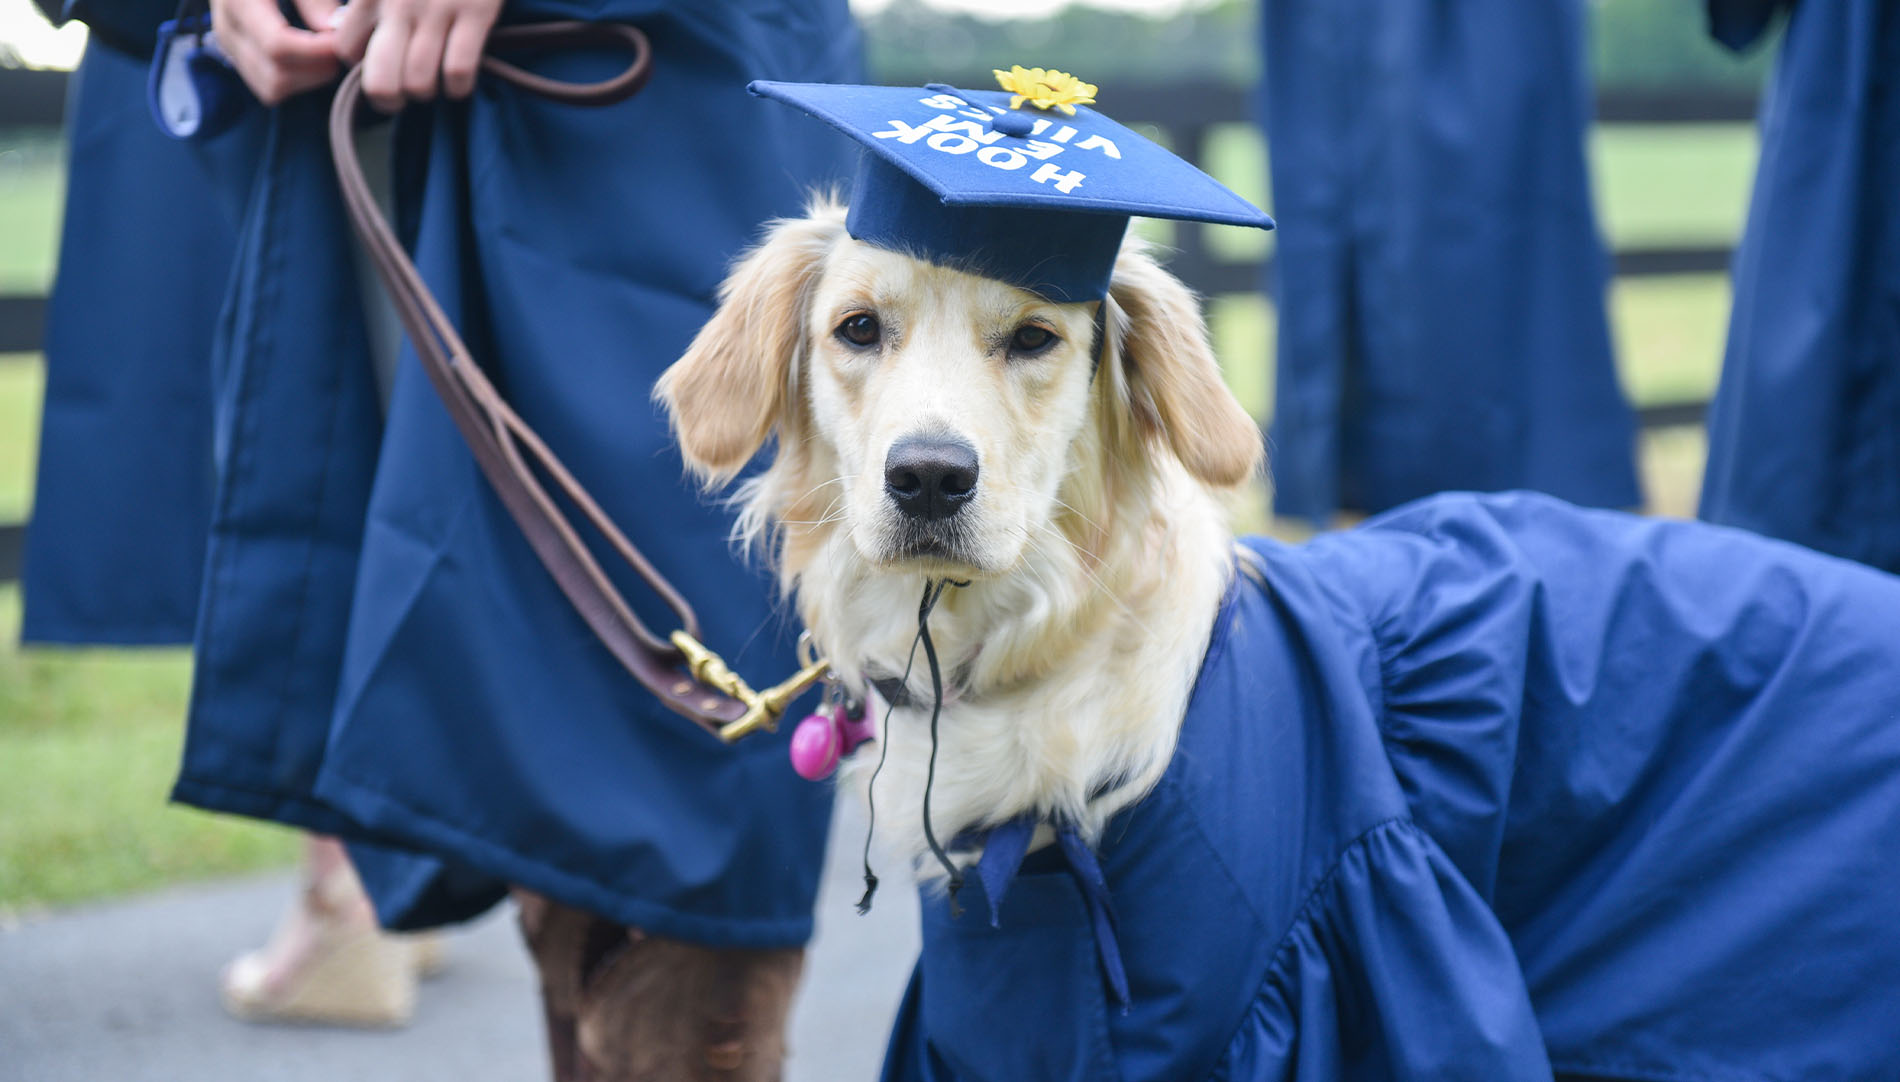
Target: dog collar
<point x="898" y="697"/>
<point x="891" y="690"/>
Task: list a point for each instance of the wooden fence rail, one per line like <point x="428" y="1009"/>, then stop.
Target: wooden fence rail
<point x="1189" y="112"/>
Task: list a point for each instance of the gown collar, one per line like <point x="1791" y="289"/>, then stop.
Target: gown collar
<point x="1005" y="846"/>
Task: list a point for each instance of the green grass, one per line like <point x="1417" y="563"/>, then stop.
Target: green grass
<point x="89" y="739"/>
<point x="32" y="166"/>
<point x="1669" y="335"/>
<point x="21" y="378"/>
<point x="1670" y="463"/>
<point x="1242" y="327"/>
<point x="1238" y="156"/>
<point x="89" y="743"/>
<point x="1680" y="184"/>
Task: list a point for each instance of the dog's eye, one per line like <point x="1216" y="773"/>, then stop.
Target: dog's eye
<point x="1031" y="339"/>
<point x="861" y="330"/>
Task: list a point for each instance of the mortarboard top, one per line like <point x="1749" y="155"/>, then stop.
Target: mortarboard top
<point x="1035" y="196"/>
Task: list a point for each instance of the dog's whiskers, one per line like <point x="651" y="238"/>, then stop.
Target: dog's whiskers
<point x="1078" y="513"/>
<point x="835" y="511"/>
<point x="841" y="480"/>
<point x="813" y="522"/>
<point x="1033" y="539"/>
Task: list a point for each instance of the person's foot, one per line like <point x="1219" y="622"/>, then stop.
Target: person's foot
<point x="327" y="963"/>
<point x="431" y="953"/>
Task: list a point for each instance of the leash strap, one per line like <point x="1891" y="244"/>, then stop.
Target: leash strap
<point x="688" y="678"/>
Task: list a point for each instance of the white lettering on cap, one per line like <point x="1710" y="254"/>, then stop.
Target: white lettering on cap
<point x="1066" y="180"/>
<point x="902" y="132"/>
<point x="947" y="135"/>
<point x="951" y="142"/>
<point x="1002" y="157"/>
<point x="963" y="129"/>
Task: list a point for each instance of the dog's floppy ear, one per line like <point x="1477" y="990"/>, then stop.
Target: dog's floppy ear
<point x="1174" y="384"/>
<point x="738" y="378"/>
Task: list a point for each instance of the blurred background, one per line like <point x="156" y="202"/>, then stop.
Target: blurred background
<point x="89" y="739"/>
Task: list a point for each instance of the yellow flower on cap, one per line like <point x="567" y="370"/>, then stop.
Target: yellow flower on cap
<point x="1045" y="88"/>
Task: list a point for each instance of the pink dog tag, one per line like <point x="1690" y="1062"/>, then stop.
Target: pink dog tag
<point x="822" y="739"/>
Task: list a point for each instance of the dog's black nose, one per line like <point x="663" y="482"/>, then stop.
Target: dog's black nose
<point x="930" y="478"/>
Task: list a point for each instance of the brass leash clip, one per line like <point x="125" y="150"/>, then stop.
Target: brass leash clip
<point x="763" y="708"/>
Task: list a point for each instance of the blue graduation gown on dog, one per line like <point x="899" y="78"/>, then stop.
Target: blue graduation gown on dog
<point x="381" y="655"/>
<point x="1439" y="277"/>
<point x="1804" y="431"/>
<point x="1491" y="788"/>
<point x="116" y="543"/>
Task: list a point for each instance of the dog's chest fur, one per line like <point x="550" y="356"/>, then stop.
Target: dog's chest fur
<point x="1065" y="684"/>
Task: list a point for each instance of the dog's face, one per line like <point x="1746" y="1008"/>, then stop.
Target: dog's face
<point x="945" y="422"/>
<point x="950" y="402"/>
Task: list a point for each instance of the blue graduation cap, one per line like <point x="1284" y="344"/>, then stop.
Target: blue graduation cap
<point x="1026" y="185"/>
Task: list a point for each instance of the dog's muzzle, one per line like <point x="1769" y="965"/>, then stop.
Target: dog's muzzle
<point x="930" y="479"/>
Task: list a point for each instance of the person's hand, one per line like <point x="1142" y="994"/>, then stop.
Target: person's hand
<point x="274" y="58"/>
<point x="411" y="50"/>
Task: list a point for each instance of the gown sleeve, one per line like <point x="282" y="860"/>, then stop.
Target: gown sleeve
<point x="1668" y="756"/>
<point x="1394" y="971"/>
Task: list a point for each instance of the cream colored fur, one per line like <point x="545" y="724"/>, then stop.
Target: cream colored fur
<point x="1095" y="549"/>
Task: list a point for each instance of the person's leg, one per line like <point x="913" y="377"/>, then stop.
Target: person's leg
<point x="328" y="961"/>
<point x="623" y="1006"/>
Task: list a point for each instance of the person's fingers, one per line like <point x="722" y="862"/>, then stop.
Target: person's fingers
<point x="353" y="28"/>
<point x="252" y="68"/>
<point x="463" y="55"/>
<point x="274" y="59"/>
<point x="279" y="62"/>
<point x="383" y="61"/>
<point x="422" y="60"/>
<point x="410" y="50"/>
<point x="288" y="47"/>
<point x="316" y="14"/>
<point x="232" y="19"/>
<point x="273" y="85"/>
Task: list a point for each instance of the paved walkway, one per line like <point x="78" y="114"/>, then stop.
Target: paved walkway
<point x="126" y="992"/>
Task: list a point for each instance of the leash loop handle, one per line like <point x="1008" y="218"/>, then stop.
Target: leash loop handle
<point x="508" y="450"/>
<point x="535" y="38"/>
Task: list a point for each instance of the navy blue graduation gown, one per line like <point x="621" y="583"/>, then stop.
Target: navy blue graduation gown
<point x="1491" y="788"/>
<point x="1439" y="278"/>
<point x="115" y="545"/>
<point x="381" y="655"/>
<point x="1804" y="431"/>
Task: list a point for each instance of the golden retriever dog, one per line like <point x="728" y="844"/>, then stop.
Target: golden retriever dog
<point x="1490" y="787"/>
<point x="936" y="425"/>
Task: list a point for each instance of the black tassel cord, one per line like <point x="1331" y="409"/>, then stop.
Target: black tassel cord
<point x="933" y="592"/>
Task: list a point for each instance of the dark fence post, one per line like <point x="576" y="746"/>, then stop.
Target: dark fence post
<point x="12" y="544"/>
<point x="30" y="98"/>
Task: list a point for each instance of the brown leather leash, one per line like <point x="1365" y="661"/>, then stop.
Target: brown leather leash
<point x="687" y="677"/>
